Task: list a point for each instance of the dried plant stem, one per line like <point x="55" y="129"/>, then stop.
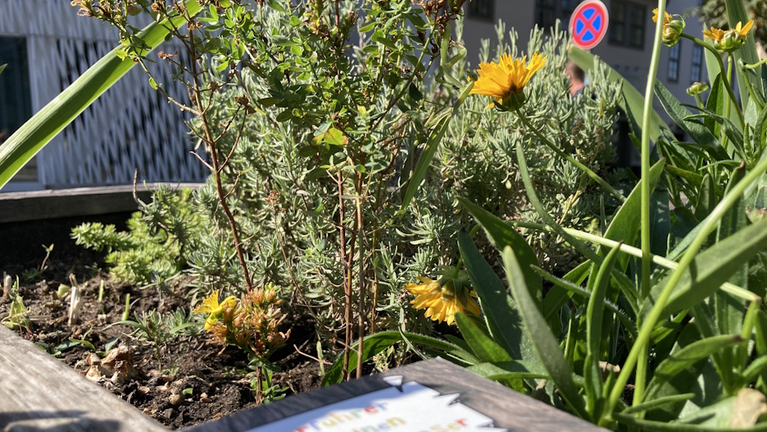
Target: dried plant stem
<point x="347" y="279"/>
<point x="361" y="294"/>
<point x="211" y="142"/>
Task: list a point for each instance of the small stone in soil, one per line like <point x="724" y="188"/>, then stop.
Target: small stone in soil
<point x="176" y="399"/>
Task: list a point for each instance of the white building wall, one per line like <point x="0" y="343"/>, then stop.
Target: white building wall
<point x="130" y="127"/>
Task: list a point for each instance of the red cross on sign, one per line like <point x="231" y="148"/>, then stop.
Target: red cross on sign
<point x="588" y="24"/>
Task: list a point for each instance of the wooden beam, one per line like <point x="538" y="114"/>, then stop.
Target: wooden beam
<point x="39" y="392"/>
<point x="53" y="204"/>
<point x="509" y="409"/>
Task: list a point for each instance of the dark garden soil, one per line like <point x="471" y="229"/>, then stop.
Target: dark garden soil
<point x="197" y="381"/>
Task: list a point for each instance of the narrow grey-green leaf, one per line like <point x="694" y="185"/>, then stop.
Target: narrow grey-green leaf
<point x="691" y="354"/>
<point x="502" y="234"/>
<point x="711" y="268"/>
<point x="509" y="370"/>
<point x="543" y="340"/>
<point x="657" y="403"/>
<point x="594" y="315"/>
<point x="698" y="132"/>
<point x="499" y="308"/>
<point x="481" y="345"/>
<point x="432" y="144"/>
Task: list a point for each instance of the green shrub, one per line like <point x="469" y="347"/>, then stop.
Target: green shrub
<point x="158" y="239"/>
<point x="337" y="169"/>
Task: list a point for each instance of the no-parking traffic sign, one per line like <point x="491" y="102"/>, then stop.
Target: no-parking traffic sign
<point x="588" y="24"/>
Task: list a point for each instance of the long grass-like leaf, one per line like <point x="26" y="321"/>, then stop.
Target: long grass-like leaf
<point x="711" y="268"/>
<point x="510" y="370"/>
<point x="543" y="340"/>
<point x="499" y="308"/>
<point x="414" y="182"/>
<point x="501" y="234"/>
<point x="481" y="345"/>
<point x="378" y="342"/>
<point x="688" y="356"/>
<point x="736" y="12"/>
<point x="594" y="316"/>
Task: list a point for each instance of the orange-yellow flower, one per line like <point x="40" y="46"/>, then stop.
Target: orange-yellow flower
<point x="729" y="40"/>
<point x="505" y="81"/>
<point x="672" y="28"/>
<point x="211" y="306"/>
<point x="667" y="18"/>
<point x="441" y="301"/>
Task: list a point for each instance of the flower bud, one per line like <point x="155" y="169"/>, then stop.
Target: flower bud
<point x="697" y="88"/>
<point x="453" y="282"/>
<point x="729" y="42"/>
<point x="672" y="32"/>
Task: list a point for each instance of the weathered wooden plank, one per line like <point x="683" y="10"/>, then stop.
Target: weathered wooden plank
<point x="52" y="204"/>
<point x="509" y="409"/>
<point x="38" y="392"/>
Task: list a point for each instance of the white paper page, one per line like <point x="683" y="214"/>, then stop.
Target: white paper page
<point x="416" y="408"/>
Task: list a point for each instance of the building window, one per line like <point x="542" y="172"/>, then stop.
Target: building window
<point x="482" y="9"/>
<point x="673" y="62"/>
<point x="548" y="11"/>
<point x="627" y="24"/>
<point x="15" y="96"/>
<point x="15" y="104"/>
<point x="697" y="63"/>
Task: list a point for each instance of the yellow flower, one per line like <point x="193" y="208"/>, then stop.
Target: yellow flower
<point x="667" y="18"/>
<point x="729" y="40"/>
<point x="441" y="302"/>
<point x="505" y="81"/>
<point x="211" y="306"/>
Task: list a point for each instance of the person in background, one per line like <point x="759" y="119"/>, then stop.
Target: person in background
<point x="577" y="78"/>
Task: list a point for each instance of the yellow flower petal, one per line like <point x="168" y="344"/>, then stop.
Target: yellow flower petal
<point x="667" y="18"/>
<point x="209" y="304"/>
<point x="744" y="31"/>
<point x="508" y="76"/>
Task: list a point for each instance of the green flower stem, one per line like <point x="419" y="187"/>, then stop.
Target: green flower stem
<point x="569" y="158"/>
<point x="753" y="66"/>
<point x="633" y="251"/>
<point x="700" y="101"/>
<point x="746" y="331"/>
<point x="646" y="189"/>
<point x="726" y="81"/>
<point x="708" y="226"/>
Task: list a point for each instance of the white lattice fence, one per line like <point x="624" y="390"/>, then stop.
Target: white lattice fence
<point x="130" y="127"/>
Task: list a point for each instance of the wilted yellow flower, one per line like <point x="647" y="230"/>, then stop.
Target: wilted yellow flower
<point x="672" y="28"/>
<point x="729" y="40"/>
<point x="667" y="18"/>
<point x="505" y="81"/>
<point x="442" y="301"/>
<point x="211" y="306"/>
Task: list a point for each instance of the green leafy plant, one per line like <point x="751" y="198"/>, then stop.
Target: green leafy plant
<point x="162" y="329"/>
<point x="33" y="274"/>
<point x="18" y="314"/>
<point x="666" y="336"/>
<point x="158" y="240"/>
<point x="346" y="196"/>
